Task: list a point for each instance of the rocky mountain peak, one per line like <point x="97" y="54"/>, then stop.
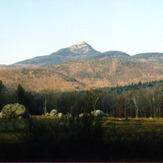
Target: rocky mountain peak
<point x="80" y="47"/>
<point x="81" y="43"/>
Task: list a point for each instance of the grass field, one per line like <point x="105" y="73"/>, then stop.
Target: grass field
<point x="81" y="139"/>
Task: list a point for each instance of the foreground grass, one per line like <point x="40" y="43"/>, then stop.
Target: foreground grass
<point x="81" y="139"/>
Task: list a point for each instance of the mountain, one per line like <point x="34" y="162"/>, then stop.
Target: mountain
<point x="79" y="51"/>
<point x="110" y="72"/>
<point x="150" y="57"/>
<point x="113" y="54"/>
<point x="83" y="51"/>
<point x="82" y="75"/>
<point x="80" y="67"/>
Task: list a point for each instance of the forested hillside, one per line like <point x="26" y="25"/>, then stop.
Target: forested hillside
<point x="150" y="57"/>
<point x="110" y="72"/>
<point x="136" y="100"/>
<point x="82" y="75"/>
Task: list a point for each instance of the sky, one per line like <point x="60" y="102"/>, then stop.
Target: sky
<point x="30" y="28"/>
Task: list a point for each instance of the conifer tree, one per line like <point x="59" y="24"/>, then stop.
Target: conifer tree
<point x="20" y="92"/>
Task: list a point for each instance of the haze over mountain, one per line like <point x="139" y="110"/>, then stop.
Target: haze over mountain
<point x="83" y="51"/>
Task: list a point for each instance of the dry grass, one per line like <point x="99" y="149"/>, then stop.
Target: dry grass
<point x="119" y="140"/>
<point x="141" y="121"/>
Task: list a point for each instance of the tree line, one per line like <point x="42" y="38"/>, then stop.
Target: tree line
<point x="135" y="100"/>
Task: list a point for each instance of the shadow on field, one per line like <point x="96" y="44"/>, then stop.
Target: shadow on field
<point x="80" y="139"/>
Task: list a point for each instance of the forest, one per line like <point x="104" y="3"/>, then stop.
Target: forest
<point x="134" y="101"/>
<point x="132" y="132"/>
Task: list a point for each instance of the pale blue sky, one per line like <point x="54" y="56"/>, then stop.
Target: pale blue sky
<point x="30" y="28"/>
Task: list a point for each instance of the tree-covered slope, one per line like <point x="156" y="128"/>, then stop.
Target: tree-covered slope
<point x="82" y="75"/>
<point x="150" y="57"/>
<point x="113" y="54"/>
<point x="110" y="72"/>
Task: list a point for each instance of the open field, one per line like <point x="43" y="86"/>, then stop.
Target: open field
<point x="141" y="121"/>
<point x="81" y="139"/>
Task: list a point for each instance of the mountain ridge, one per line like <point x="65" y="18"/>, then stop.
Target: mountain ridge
<point x="78" y="51"/>
<point x="83" y="51"/>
